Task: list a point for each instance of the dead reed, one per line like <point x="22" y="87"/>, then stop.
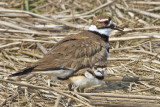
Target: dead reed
<point x="133" y="69"/>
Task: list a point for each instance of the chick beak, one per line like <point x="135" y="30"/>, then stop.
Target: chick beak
<point x="113" y="26"/>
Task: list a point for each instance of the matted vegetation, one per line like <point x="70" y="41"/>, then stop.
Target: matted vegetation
<point x="29" y="28"/>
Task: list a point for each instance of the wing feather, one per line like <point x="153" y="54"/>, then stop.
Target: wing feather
<point x="74" y="52"/>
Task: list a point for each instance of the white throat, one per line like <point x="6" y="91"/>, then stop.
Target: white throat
<point x="105" y="31"/>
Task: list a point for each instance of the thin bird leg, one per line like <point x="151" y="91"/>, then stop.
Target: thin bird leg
<point x="70" y="87"/>
<point x="81" y="90"/>
<point x="76" y="89"/>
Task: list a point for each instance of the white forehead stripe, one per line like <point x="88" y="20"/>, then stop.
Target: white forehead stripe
<point x="102" y="20"/>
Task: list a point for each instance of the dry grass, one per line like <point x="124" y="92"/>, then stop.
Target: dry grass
<point x="26" y="36"/>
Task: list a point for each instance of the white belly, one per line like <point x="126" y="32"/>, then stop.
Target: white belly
<point x="54" y="73"/>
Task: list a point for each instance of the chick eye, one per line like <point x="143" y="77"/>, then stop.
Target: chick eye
<point x="106" y="22"/>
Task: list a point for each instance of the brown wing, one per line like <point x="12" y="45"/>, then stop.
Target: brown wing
<point x="75" y="52"/>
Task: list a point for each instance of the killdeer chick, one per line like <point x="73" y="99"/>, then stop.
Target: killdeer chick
<point x="75" y="52"/>
<point x="86" y="78"/>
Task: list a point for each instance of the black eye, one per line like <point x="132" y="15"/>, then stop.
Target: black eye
<point x="106" y="22"/>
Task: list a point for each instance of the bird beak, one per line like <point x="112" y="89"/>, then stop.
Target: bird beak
<point x="113" y="26"/>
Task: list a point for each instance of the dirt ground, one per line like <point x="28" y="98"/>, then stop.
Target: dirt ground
<point x="30" y="28"/>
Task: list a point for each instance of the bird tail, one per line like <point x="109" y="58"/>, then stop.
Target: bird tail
<point x="23" y="71"/>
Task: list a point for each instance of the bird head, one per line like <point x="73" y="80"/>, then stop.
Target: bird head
<point x="94" y="73"/>
<point x="99" y="73"/>
<point x="103" y="25"/>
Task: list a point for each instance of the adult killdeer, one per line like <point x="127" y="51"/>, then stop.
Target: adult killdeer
<point x="75" y="52"/>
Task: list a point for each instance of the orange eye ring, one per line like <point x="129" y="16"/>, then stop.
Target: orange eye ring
<point x="106" y="22"/>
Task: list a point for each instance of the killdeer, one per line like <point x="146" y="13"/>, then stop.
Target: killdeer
<point x="86" y="78"/>
<point x="75" y="52"/>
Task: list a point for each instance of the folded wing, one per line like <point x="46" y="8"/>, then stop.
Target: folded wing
<point x="69" y="55"/>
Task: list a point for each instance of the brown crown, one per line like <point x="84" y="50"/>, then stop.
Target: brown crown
<point x="100" y="24"/>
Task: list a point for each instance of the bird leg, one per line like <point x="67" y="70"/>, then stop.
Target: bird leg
<point x="82" y="90"/>
<point x="70" y="87"/>
<point x="78" y="89"/>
